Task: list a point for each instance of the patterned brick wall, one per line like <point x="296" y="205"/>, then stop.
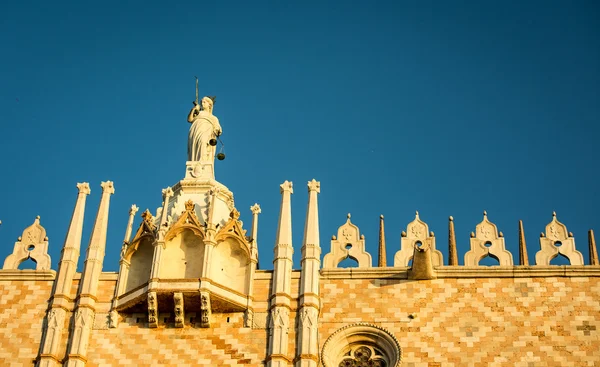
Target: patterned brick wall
<point x="23" y="305"/>
<point x="226" y="343"/>
<point x="526" y="322"/>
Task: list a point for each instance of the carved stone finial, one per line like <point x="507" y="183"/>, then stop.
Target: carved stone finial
<point x="133" y="210"/>
<point x="108" y="187"/>
<point x="485" y="213"/>
<point x="147" y="216"/>
<point x="416" y="214"/>
<point x="84" y="188"/>
<point x="314" y="185"/>
<point x="189" y="205"/>
<point x="348" y="216"/>
<point x="286" y="186"/>
<point x="167" y="193"/>
<point x="255" y="209"/>
<point x="554" y="214"/>
<point x="451" y="219"/>
<point x="234" y="214"/>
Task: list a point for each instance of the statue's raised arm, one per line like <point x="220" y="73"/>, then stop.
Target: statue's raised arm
<point x="205" y="126"/>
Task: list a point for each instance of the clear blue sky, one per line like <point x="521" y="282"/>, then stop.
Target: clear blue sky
<point x="446" y="107"/>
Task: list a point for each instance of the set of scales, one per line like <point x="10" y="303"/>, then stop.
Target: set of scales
<point x="213" y="140"/>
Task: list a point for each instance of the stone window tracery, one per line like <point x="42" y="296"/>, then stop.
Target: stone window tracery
<point x="361" y="345"/>
<point x="363" y="356"/>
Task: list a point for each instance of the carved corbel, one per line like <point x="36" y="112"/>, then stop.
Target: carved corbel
<point x="179" y="312"/>
<point x="113" y="319"/>
<point x="152" y="310"/>
<point x="248" y="318"/>
<point x="205" y="309"/>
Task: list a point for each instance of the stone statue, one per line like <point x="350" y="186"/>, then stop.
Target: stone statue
<point x="205" y="126"/>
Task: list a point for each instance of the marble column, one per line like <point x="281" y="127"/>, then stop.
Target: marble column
<point x="277" y="355"/>
<point x="85" y="309"/>
<point x="61" y="298"/>
<point x="307" y="351"/>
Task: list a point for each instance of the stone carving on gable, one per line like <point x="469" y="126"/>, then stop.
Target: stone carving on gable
<point x="349" y="243"/>
<point x="487" y="241"/>
<point x="233" y="229"/>
<point x="188" y="220"/>
<point x="33" y="244"/>
<point x="417" y="235"/>
<point x="557" y="240"/>
<point x="147" y="231"/>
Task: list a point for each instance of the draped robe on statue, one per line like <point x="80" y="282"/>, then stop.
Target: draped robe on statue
<point x="203" y="128"/>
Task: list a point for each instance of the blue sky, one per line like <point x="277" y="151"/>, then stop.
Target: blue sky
<point x="446" y="107"/>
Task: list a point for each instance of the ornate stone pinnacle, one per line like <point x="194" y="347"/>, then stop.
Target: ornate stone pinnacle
<point x="134" y="209"/>
<point x="314" y="185"/>
<point x="189" y="205"/>
<point x="485" y="213"/>
<point x="108" y="187"/>
<point x="147" y="216"/>
<point x="554" y="214"/>
<point x="286" y="186"/>
<point x="451" y="218"/>
<point x="416" y="214"/>
<point x="348" y="216"/>
<point x="168" y="192"/>
<point x="84" y="188"/>
<point x="255" y="209"/>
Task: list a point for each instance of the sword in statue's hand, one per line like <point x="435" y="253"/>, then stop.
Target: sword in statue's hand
<point x="196" y="101"/>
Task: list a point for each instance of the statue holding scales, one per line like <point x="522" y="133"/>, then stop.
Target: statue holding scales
<point x="204" y="130"/>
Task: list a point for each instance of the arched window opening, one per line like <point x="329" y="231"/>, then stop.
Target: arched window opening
<point x="560" y="259"/>
<point x="361" y="345"/>
<point x="28" y="264"/>
<point x="348" y="262"/>
<point x="489" y="260"/>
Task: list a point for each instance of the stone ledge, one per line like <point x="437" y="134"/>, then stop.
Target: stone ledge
<point x="103" y="276"/>
<point x="27" y="274"/>
<point x="468" y="272"/>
